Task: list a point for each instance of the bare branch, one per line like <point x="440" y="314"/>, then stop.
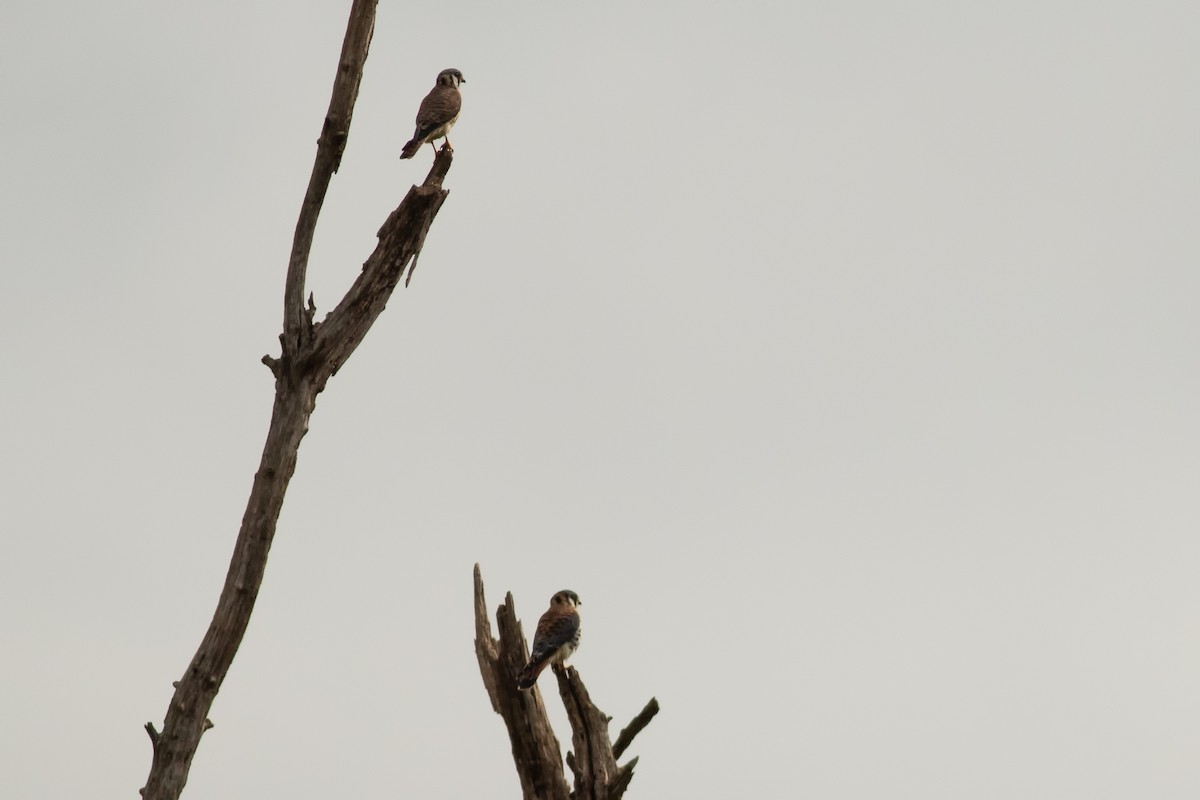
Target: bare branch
<point x="334" y="134"/>
<point x="635" y="726"/>
<point x="400" y="240"/>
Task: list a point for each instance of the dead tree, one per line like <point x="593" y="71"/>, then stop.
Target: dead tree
<point x="311" y="353"/>
<point x="535" y="748"/>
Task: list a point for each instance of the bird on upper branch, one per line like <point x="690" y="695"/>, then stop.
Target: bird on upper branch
<point x="556" y="639"/>
<point x="438" y="113"/>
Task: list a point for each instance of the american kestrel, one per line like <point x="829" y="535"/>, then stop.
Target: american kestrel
<point x="438" y="113"/>
<point x="556" y="639"/>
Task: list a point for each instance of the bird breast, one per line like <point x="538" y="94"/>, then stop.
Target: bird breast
<point x="564" y="652"/>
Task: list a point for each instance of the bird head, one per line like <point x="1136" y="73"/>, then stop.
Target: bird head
<point x="566" y="597"/>
<point x="451" y="77"/>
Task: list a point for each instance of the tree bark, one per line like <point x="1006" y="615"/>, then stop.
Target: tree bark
<point x="310" y="354"/>
<point x="535" y="749"/>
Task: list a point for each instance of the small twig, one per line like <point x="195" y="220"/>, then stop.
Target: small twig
<point x="311" y="311"/>
<point x="625" y="737"/>
<point x="624" y="776"/>
<point x="154" y="735"/>
<point x="412" y="268"/>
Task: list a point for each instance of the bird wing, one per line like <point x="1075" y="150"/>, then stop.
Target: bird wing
<point x="440" y="106"/>
<point x="554" y="629"/>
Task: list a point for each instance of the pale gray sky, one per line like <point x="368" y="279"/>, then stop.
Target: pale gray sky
<point x="841" y="356"/>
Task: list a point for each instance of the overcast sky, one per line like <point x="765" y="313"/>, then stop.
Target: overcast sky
<point x="841" y="356"/>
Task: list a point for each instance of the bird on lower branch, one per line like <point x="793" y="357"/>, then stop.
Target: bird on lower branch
<point x="557" y="637"/>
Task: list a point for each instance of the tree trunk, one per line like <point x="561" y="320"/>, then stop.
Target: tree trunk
<point x="310" y="354"/>
<point x="535" y="749"/>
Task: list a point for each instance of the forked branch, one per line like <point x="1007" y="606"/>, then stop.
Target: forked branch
<point x="311" y="353"/>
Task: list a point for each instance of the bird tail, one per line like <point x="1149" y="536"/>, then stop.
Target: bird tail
<point x="411" y="148"/>
<point x="528" y="676"/>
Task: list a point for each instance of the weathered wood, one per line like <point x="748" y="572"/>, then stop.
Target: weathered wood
<point x="594" y="764"/>
<point x="310" y="354"/>
<point x="187" y="715"/>
<point x="535" y="749"/>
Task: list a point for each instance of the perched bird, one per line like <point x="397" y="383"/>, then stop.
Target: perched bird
<point x="556" y="639"/>
<point x="438" y="113"/>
